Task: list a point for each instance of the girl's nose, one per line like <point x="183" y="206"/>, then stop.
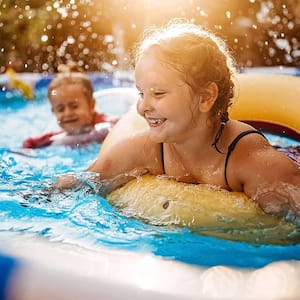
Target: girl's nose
<point x="144" y="103"/>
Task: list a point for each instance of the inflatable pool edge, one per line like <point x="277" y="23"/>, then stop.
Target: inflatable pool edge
<point x="51" y="270"/>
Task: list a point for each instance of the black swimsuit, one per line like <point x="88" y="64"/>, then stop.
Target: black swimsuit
<point x="229" y="151"/>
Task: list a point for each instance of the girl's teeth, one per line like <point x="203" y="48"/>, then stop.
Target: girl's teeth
<point x="156" y="121"/>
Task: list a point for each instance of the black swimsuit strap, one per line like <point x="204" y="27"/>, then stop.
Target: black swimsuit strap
<point x="229" y="151"/>
<point x="231" y="148"/>
<point x="162" y="157"/>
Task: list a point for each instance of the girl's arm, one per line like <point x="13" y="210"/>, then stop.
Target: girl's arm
<point x="268" y="177"/>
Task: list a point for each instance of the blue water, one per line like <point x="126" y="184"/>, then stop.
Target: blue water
<point x="88" y="220"/>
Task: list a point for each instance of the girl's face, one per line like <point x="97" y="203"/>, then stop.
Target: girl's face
<point x="166" y="102"/>
<point x="73" y="111"/>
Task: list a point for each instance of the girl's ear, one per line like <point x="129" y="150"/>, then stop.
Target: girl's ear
<point x="208" y="98"/>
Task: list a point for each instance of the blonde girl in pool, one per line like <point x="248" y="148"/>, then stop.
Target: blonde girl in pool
<point x="184" y="77"/>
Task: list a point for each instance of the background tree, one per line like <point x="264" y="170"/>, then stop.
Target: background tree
<point x="38" y="35"/>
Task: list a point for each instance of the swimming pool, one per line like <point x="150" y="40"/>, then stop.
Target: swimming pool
<point x="85" y="226"/>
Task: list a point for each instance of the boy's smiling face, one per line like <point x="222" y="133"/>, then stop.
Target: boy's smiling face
<point x="73" y="111"/>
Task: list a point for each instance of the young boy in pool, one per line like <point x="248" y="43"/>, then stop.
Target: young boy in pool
<point x="72" y="102"/>
<point x="184" y="78"/>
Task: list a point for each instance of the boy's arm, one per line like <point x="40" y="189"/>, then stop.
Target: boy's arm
<point x="39" y="141"/>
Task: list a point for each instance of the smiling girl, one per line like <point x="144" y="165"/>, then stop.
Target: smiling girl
<point x="181" y="128"/>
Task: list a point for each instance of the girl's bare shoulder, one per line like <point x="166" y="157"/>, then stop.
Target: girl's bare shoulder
<point x="127" y="147"/>
<point x="248" y="142"/>
<point x="254" y="162"/>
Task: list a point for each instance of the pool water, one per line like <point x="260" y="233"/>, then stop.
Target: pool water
<point x="88" y="220"/>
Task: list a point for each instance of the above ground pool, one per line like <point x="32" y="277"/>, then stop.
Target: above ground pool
<point x="81" y="220"/>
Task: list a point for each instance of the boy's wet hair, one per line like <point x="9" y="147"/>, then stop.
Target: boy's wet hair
<point x="71" y="73"/>
<point x="199" y="56"/>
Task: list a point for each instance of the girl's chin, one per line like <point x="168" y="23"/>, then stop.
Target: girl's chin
<point x="157" y="138"/>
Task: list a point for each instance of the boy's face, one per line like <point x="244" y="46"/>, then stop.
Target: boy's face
<point x="73" y="111"/>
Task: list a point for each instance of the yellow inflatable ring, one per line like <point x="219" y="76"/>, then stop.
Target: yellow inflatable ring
<point x="203" y="208"/>
<point x="268" y="100"/>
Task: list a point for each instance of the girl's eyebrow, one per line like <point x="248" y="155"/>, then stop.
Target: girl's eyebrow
<point x="151" y="89"/>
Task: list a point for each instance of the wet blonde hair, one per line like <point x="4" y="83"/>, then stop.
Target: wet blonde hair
<point x="71" y="74"/>
<point x="197" y="54"/>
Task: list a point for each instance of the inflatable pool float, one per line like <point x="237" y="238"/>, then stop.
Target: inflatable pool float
<point x="262" y="99"/>
<point x="205" y="209"/>
<point x="20" y="85"/>
<point x="97" y="134"/>
<point x="268" y="102"/>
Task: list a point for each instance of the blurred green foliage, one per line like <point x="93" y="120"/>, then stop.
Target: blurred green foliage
<point x="38" y="35"/>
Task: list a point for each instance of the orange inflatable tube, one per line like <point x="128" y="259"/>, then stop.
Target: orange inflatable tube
<point x="269" y="102"/>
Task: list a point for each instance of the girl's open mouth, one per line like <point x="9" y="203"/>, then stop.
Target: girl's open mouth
<point x="155" y="121"/>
